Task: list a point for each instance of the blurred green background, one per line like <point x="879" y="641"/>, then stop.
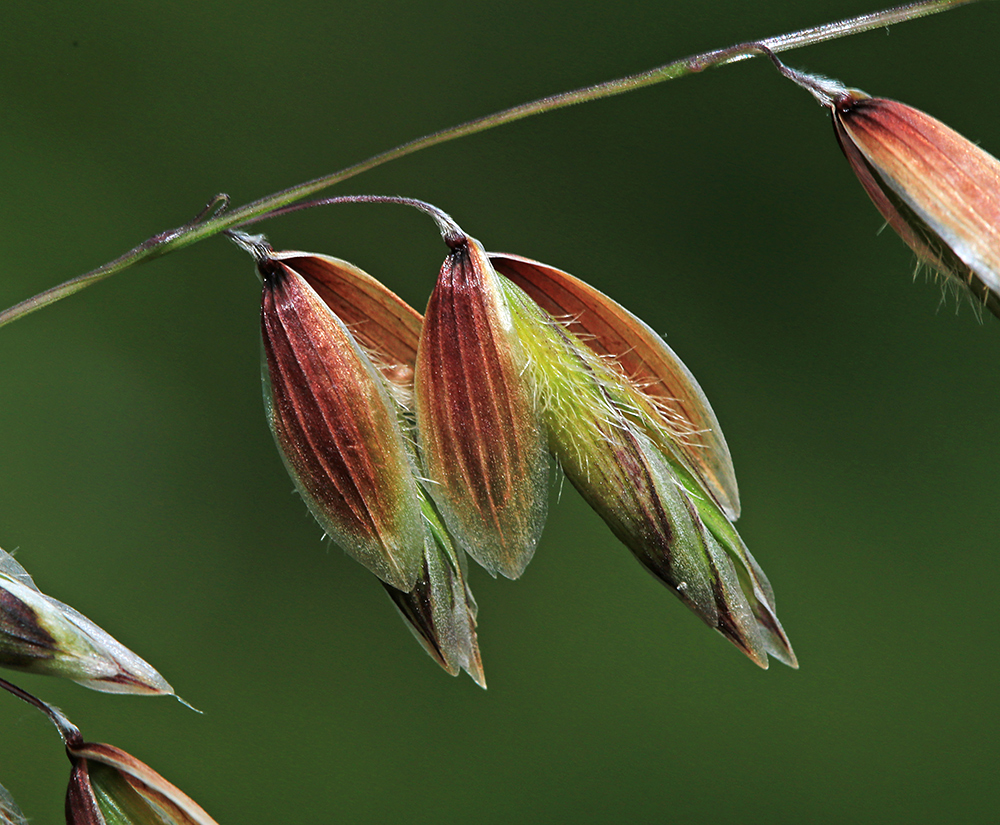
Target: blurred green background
<point x="139" y="482"/>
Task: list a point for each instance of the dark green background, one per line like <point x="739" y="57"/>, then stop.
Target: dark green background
<point x="140" y="483"/>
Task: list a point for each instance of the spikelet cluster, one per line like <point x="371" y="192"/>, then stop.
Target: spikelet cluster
<point x="419" y="440"/>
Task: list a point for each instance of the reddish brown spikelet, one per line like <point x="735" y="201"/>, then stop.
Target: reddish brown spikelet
<point x="479" y="431"/>
<point x="337" y="429"/>
<point x="108" y="778"/>
<point x="938" y="190"/>
<point x="621" y="461"/>
<point x="439" y="609"/>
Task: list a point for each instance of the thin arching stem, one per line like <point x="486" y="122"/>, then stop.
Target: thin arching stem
<point x="70" y="733"/>
<point x="211" y="222"/>
<point x="450" y="231"/>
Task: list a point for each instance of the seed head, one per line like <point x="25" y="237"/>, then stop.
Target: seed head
<point x="626" y="452"/>
<point x="480" y="435"/>
<point x="333" y="416"/>
<point x="939" y="191"/>
<point x="108" y="786"/>
<point x="39" y="634"/>
<point x="369" y="380"/>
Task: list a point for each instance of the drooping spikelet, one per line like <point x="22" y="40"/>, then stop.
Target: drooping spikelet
<point x="480" y="438"/>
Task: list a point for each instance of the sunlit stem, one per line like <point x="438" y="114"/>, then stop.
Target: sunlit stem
<point x="211" y="223"/>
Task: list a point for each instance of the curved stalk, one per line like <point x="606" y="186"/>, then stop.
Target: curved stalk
<point x="214" y="220"/>
<point x="69" y="732"/>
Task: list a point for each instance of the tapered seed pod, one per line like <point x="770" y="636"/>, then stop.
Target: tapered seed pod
<point x="599" y="430"/>
<point x="439" y="609"/>
<point x="938" y="190"/>
<point x="337" y="429"/>
<point x="39" y="634"/>
<point x="480" y="435"/>
<point x="670" y="397"/>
